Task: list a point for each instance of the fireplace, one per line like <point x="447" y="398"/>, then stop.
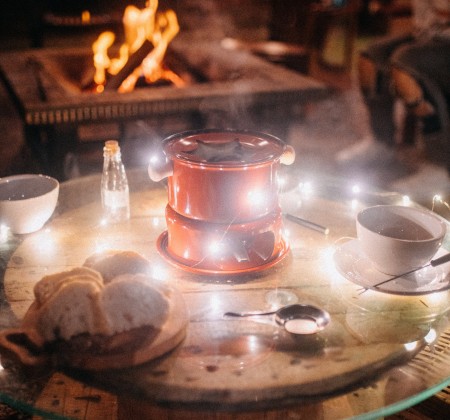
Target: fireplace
<point x="224" y="89"/>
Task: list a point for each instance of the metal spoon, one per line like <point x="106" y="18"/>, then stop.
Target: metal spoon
<point x="433" y="263"/>
<point x="296" y="318"/>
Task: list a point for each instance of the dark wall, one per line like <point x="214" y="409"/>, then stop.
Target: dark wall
<point x="21" y="20"/>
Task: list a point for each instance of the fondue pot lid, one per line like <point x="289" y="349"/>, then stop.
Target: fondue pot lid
<point x="223" y="147"/>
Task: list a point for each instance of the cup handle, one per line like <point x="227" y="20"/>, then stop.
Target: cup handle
<point x="288" y="156"/>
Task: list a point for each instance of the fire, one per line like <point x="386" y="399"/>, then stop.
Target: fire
<point x="101" y="59"/>
<point x="85" y="17"/>
<point x="141" y="26"/>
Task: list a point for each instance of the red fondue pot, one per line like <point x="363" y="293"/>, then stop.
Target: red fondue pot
<point x="221" y="176"/>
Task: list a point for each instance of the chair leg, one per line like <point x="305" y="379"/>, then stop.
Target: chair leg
<point x="350" y="42"/>
<point x="409" y="90"/>
<point x="367" y="76"/>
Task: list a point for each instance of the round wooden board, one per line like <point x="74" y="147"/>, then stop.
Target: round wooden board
<point x="171" y="334"/>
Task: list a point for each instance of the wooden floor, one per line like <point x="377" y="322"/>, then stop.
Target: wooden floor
<point x="66" y="397"/>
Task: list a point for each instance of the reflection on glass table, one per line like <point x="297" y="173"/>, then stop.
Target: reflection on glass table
<point x="380" y="352"/>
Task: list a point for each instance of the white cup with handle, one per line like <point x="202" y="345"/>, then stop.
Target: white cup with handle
<point x="398" y="239"/>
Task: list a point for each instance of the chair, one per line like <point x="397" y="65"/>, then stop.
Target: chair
<point x="316" y="24"/>
<point x="428" y="112"/>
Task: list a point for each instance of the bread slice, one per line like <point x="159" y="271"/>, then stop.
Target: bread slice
<point x="73" y="309"/>
<point x="113" y="263"/>
<point x="49" y="285"/>
<point x="131" y="301"/>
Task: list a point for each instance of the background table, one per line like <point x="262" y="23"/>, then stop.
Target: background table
<point x="377" y="356"/>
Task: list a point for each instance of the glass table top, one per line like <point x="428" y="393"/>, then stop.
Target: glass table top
<point x="375" y="343"/>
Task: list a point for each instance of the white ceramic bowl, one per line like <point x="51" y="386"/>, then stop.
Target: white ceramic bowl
<point x="27" y="201"/>
<point x="398" y="238"/>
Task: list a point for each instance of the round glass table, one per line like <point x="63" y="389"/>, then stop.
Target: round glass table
<point x="382" y="351"/>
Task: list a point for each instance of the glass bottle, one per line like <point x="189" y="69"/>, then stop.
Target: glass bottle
<point x="114" y="185"/>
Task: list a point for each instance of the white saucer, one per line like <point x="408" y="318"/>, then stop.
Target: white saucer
<point x="356" y="267"/>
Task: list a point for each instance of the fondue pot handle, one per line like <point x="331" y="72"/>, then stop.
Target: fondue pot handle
<point x="160" y="167"/>
<point x="288" y="156"/>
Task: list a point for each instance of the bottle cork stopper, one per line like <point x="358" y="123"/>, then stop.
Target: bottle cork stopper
<point x="112" y="146"/>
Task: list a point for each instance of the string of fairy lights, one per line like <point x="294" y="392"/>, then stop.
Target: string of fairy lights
<point x="307" y="190"/>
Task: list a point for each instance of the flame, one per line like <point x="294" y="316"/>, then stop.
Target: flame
<point x="101" y="59"/>
<point x="85" y="17"/>
<point x="139" y="25"/>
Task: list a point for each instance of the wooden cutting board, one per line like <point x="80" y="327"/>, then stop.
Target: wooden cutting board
<point x="171" y="334"/>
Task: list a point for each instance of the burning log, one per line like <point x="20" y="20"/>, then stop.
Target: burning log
<point x="134" y="61"/>
<point x="152" y="67"/>
<point x="147" y="37"/>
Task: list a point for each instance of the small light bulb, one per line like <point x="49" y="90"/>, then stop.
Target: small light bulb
<point x="257" y="198"/>
<point x="215" y="248"/>
<point x="159" y="272"/>
<point x="154" y="159"/>
<point x="4" y="230"/>
<point x="101" y="247"/>
<point x="431" y="336"/>
<point x="411" y="346"/>
<point x="281" y="181"/>
<point x="306" y="188"/>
